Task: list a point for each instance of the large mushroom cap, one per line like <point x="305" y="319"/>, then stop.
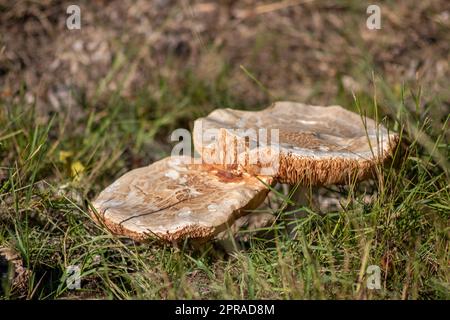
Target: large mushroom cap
<point x="174" y="199"/>
<point x="312" y="144"/>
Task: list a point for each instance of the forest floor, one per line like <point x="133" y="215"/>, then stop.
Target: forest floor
<point x="79" y="108"/>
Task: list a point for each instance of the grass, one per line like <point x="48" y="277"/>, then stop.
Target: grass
<point x="52" y="167"/>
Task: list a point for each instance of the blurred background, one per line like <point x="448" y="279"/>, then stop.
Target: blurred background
<point x="309" y="51"/>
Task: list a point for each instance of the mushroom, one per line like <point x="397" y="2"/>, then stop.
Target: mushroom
<point x="174" y="199"/>
<point x="243" y="153"/>
<point x="308" y="145"/>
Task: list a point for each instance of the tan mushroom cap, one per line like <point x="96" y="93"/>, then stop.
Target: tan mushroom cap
<point x="315" y="145"/>
<point x="174" y="199"/>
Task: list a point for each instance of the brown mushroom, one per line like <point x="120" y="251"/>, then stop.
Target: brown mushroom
<point x="174" y="199"/>
<point x="242" y="153"/>
<point x="312" y="145"/>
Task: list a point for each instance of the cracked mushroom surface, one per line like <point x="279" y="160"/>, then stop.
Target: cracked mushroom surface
<point x="295" y="142"/>
<point x="173" y="199"/>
